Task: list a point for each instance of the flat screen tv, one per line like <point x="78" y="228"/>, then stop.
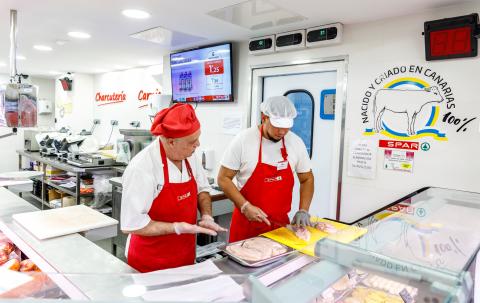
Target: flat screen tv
<point x="203" y="74"/>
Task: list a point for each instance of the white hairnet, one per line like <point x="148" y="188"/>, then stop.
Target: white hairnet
<point x="280" y="110"/>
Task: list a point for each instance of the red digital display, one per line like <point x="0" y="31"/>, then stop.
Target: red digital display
<point x="452" y="38"/>
<point x="448" y="42"/>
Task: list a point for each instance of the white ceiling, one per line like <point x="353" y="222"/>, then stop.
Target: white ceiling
<point x="110" y="47"/>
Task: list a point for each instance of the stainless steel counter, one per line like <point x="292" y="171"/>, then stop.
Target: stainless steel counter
<point x="71" y="254"/>
<point x="95" y="272"/>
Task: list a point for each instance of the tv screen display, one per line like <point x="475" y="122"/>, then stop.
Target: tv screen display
<point x="203" y="74"/>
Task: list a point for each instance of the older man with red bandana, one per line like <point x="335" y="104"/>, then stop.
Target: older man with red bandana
<point x="163" y="187"/>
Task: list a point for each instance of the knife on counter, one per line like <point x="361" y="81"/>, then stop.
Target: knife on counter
<point x="277" y="224"/>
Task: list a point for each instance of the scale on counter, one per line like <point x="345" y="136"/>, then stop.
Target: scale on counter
<point x="90" y="160"/>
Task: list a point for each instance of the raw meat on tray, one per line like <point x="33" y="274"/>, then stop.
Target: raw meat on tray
<point x="256" y="249"/>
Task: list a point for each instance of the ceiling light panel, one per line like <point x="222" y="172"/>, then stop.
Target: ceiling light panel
<point x="79" y="35"/>
<point x="166" y="37"/>
<point x="257" y="14"/>
<point x="135" y="14"/>
<point x="61" y="42"/>
<point x="43" y="48"/>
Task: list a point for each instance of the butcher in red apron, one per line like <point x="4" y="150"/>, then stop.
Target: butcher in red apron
<point x="168" y="238"/>
<point x="265" y="198"/>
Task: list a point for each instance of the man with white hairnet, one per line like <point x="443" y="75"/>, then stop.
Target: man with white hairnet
<point x="263" y="159"/>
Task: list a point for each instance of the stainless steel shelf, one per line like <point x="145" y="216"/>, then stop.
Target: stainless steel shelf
<point x="35" y="156"/>
<point x="63" y="166"/>
<point x="40" y="200"/>
<point x="62" y="189"/>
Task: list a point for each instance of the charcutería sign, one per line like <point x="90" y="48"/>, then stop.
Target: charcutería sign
<point x="105" y="99"/>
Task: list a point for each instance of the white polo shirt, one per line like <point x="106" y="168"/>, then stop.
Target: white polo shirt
<point x="143" y="180"/>
<point x="242" y="154"/>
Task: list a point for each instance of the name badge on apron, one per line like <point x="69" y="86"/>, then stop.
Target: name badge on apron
<point x="282" y="165"/>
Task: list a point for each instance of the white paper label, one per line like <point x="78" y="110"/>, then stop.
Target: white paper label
<point x="362" y="159"/>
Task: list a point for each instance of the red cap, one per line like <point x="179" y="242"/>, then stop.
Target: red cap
<point x="176" y="121"/>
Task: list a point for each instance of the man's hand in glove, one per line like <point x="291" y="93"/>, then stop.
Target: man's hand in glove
<point x="253" y="213"/>
<point x="208" y="222"/>
<point x="186" y="228"/>
<point x="302" y="218"/>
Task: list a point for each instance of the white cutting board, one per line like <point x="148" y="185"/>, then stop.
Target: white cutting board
<point x="62" y="221"/>
<point x="20" y="175"/>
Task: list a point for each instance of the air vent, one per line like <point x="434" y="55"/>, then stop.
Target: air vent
<point x="261" y="45"/>
<point x="290" y="40"/>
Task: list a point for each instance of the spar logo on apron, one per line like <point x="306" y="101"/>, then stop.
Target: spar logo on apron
<point x="184" y="196"/>
<point x="273" y="179"/>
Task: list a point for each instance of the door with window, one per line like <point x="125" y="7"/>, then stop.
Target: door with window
<point x="313" y="88"/>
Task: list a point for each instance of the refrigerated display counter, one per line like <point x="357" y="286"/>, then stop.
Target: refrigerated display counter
<point x="419" y="249"/>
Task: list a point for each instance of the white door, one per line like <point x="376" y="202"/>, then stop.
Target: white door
<point x="311" y="87"/>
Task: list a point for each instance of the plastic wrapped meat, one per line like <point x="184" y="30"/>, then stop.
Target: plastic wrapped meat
<point x="27" y="108"/>
<point x="11" y="105"/>
<point x="6" y="246"/>
<point x="28" y="265"/>
<point x="363" y="294"/>
<point x="20" y="105"/>
<point x="301" y="232"/>
<point x="256" y="249"/>
<point x="392" y="287"/>
<point x="12" y="264"/>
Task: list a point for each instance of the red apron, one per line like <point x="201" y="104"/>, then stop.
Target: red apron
<point x="269" y="188"/>
<point x="176" y="202"/>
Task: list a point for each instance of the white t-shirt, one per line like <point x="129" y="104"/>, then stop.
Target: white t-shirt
<point x="242" y="154"/>
<point x="143" y="180"/>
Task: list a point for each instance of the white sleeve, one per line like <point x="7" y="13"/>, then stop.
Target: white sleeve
<point x="200" y="176"/>
<point x="232" y="157"/>
<point x="137" y="196"/>
<point x="304" y="164"/>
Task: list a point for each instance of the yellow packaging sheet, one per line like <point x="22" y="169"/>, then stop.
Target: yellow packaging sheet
<point x="345" y="234"/>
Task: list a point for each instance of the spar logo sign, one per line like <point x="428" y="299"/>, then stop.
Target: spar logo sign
<point x="410" y="102"/>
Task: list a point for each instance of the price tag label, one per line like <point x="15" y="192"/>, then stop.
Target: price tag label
<point x="214" y="67"/>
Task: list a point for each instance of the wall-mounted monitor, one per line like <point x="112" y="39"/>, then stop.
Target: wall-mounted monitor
<point x="203" y="74"/>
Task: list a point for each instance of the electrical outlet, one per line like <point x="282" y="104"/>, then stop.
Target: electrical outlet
<point x="114" y="122"/>
<point x="135" y="123"/>
<point x="96" y="121"/>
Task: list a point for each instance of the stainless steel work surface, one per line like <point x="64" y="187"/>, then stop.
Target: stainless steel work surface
<point x="71" y="254"/>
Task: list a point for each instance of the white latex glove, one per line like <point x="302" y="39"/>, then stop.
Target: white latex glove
<point x="253" y="213"/>
<point x="185" y="228"/>
<point x="208" y="222"/>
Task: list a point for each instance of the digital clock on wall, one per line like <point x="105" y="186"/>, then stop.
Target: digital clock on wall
<point x="451" y="38"/>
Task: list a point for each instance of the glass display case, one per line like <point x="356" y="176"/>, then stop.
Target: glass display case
<point x="421" y="248"/>
<point x="25" y="274"/>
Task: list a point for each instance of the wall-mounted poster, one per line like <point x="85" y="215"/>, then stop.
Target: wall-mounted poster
<point x="362" y="159"/>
